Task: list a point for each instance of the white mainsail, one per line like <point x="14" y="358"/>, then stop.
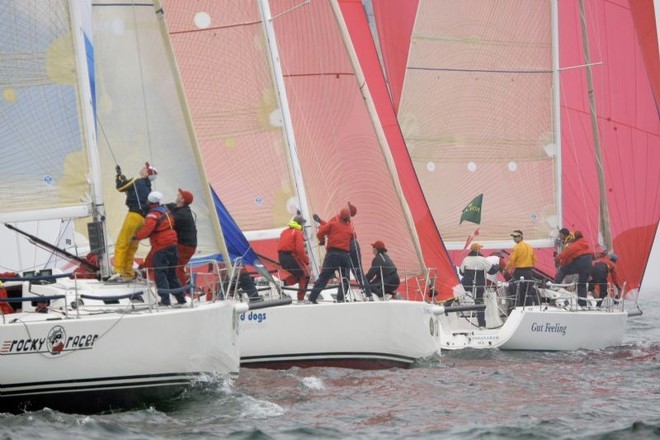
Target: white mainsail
<point x="141" y="116"/>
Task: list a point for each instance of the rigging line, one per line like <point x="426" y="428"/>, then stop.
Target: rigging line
<point x="580" y="66"/>
<point x="335" y="74"/>
<point x="217" y="28"/>
<point x="505" y="71"/>
<point x="141" y="70"/>
<point x="60" y="236"/>
<point x="107" y="141"/>
<point x="273" y="17"/>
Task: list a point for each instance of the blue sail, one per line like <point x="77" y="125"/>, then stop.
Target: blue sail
<point x="237" y="245"/>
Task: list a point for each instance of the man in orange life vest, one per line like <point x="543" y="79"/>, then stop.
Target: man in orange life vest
<point x="604" y="271"/>
<point x="293" y="257"/>
<point x="339" y="233"/>
<point x="159" y="227"/>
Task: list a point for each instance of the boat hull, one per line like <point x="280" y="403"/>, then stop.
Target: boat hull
<point x="112" y="359"/>
<point x="534" y="328"/>
<point x="363" y="335"/>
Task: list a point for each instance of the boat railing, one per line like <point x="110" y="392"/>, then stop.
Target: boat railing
<point x="38" y="299"/>
<point x="418" y="284"/>
<point x="217" y="281"/>
<point x="413" y="286"/>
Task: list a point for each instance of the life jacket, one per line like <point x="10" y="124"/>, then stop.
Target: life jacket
<point x="164" y="215"/>
<point x="159" y="228"/>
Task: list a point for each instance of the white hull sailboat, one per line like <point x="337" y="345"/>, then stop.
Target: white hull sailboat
<point x="288" y="113"/>
<point x="87" y="345"/>
<point x="101" y="356"/>
<point x="498" y="127"/>
<point x="364" y="335"/>
<point x="556" y="324"/>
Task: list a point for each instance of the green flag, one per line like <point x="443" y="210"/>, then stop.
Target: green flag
<point x="472" y="212"/>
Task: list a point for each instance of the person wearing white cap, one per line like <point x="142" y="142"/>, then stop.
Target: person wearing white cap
<point x="159" y="227"/>
<point x="137" y="190"/>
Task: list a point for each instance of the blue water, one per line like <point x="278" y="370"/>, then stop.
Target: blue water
<point x="610" y="394"/>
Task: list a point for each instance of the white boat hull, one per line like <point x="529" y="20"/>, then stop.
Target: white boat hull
<point x="366" y="335"/>
<point x="533" y="328"/>
<point x="112" y="357"/>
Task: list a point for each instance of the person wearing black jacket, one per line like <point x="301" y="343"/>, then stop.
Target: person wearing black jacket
<point x="136" y="190"/>
<point x="186" y="231"/>
<point x="383" y="276"/>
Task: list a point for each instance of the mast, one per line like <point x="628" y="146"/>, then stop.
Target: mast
<point x="382" y="140"/>
<point x="604" y="223"/>
<point x="81" y="27"/>
<point x="278" y="76"/>
<point x="556" y="108"/>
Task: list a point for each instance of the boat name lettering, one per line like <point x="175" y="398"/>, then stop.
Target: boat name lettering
<point x="549" y="328"/>
<point x="46" y="345"/>
<point x="81" y="341"/>
<point x="252" y="316"/>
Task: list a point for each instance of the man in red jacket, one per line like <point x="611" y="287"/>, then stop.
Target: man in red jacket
<point x="293" y="257"/>
<point x="339" y="233"/>
<point x="354" y="253"/>
<point x="159" y="227"/>
<point x="576" y="259"/>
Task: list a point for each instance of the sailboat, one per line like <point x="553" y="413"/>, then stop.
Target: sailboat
<point x="283" y="126"/>
<point x="477" y="95"/>
<point x="79" y="344"/>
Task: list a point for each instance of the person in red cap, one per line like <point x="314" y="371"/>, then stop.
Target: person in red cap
<point x="382" y="275"/>
<point x="186" y="231"/>
<point x="137" y="191"/>
<point x="293" y="257"/>
<point x="339" y="233"/>
<point x="355" y="253"/>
